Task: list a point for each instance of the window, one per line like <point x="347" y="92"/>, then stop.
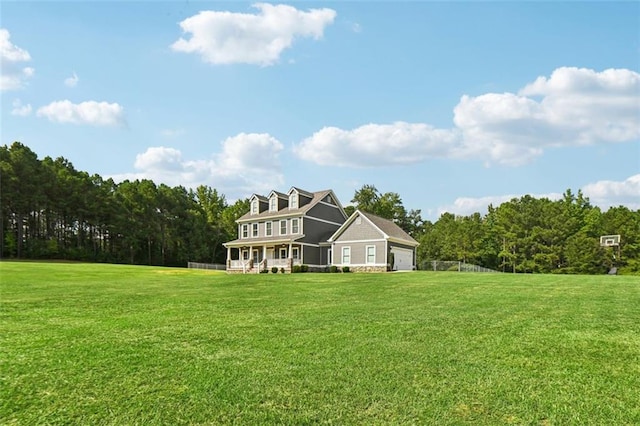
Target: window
<point x="254" y="207"/>
<point x="268" y="228"/>
<point x="245" y="231"/>
<point x="273" y="204"/>
<point x="346" y="255"/>
<point x="254" y="230"/>
<point x="245" y="254"/>
<point x="283" y="253"/>
<point x="295" y="253"/>
<point x="283" y="227"/>
<point x="371" y="254"/>
<point x="293" y="201"/>
<point x="295" y="226"/>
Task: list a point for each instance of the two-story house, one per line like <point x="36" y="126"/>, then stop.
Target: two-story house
<point x="283" y="230"/>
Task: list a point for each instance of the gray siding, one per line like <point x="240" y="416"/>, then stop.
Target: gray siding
<point x="310" y="255"/>
<point x="364" y="231"/>
<point x="326" y="212"/>
<point x="316" y="232"/>
<point x="359" y="252"/>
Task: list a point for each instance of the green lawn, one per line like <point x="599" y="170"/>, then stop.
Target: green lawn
<point x="111" y="344"/>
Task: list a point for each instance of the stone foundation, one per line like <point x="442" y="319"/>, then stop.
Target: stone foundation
<point x="368" y="269"/>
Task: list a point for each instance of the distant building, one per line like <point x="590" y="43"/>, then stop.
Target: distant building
<point x="311" y="228"/>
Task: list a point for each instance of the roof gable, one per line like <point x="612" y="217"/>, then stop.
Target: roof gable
<point x="387" y="228"/>
<point x="315" y="198"/>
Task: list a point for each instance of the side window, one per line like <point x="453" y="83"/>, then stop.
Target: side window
<point x="283" y="227"/>
<point x="245" y="231"/>
<point x="295" y="226"/>
<point x="254" y="230"/>
<point x="346" y="255"/>
<point x="371" y="254"/>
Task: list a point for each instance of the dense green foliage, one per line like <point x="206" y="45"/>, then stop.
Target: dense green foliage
<point x="525" y="234"/>
<point x="116" y="344"/>
<point x="50" y="210"/>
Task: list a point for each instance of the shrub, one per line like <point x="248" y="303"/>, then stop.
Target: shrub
<point x="264" y="271"/>
<point x="334" y="268"/>
<point x="304" y="268"/>
<point x="282" y="270"/>
<point x="296" y="269"/>
<point x="345" y="269"/>
<point x="274" y="270"/>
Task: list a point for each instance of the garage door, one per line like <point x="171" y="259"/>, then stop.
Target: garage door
<point x="403" y="259"/>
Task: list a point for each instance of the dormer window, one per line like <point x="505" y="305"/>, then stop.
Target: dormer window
<point x="273" y="204"/>
<point x="293" y="201"/>
<point x="254" y="206"/>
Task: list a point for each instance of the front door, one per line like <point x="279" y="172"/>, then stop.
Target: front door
<point x="256" y="256"/>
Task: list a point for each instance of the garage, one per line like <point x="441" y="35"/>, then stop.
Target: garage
<point x="403" y="259"/>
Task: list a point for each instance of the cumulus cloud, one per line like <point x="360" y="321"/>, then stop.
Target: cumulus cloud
<point x="247" y="163"/>
<point x="221" y="37"/>
<point x="19" y="109"/>
<point x="91" y="113"/>
<point x="13" y="73"/>
<point x="465" y="206"/>
<point x="377" y="144"/>
<point x="572" y="107"/>
<point x="604" y="194"/>
<point x="608" y="193"/>
<point x="72" y="81"/>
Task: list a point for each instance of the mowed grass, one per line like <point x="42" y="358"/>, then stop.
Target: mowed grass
<point x="112" y="344"/>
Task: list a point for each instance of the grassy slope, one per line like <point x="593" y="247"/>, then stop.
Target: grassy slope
<point x="108" y="344"/>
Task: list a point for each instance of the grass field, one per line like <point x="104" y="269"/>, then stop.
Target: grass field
<point x="111" y="344"/>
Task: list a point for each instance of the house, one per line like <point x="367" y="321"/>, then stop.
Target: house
<point x="369" y="243"/>
<point x="282" y="230"/>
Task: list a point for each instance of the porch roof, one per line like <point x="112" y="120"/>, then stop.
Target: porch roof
<point x="242" y="242"/>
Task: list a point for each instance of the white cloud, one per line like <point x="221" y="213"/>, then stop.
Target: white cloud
<point x="377" y="145"/>
<point x="72" y="81"/>
<point x="607" y="193"/>
<point x="572" y="107"/>
<point x="13" y="75"/>
<point x="465" y="206"/>
<point x="91" y="113"/>
<point x="604" y="194"/>
<point x="19" y="109"/>
<point x="228" y="38"/>
<point x="247" y="163"/>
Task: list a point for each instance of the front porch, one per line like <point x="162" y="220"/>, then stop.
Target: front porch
<point x="255" y="259"/>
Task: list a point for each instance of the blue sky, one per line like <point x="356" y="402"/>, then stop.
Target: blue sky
<point x="452" y="105"/>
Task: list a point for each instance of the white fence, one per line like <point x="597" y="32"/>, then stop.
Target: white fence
<point x="452" y="265"/>
<point x="215" y="266"/>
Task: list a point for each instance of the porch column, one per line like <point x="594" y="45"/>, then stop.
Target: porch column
<point x="250" y="256"/>
<point x="264" y="252"/>
<point x="290" y="254"/>
<point x="228" y="253"/>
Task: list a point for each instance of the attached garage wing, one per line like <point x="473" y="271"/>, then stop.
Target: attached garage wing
<point x="402" y="259"/>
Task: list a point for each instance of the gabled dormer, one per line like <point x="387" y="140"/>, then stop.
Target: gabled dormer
<point x="298" y="198"/>
<point x="277" y="201"/>
<point x="258" y="204"/>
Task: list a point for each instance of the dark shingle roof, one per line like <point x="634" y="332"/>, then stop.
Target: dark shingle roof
<point x="389" y="227"/>
<point x="317" y="197"/>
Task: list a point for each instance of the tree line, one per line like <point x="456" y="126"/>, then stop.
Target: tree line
<point x="524" y="235"/>
<point x="50" y="210"/>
